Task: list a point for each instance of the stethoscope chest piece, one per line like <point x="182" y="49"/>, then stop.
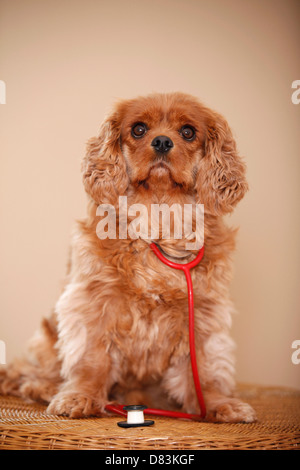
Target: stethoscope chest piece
<point x="135" y="417"/>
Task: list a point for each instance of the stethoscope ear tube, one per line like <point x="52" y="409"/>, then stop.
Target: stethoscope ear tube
<point x="186" y="269"/>
<point x="174" y="414"/>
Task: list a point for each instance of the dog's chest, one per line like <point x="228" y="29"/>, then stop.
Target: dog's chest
<point x="149" y="334"/>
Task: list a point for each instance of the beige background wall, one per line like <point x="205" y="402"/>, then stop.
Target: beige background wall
<point x="65" y="62"/>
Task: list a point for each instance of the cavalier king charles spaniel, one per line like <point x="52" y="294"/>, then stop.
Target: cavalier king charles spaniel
<point x="119" y="331"/>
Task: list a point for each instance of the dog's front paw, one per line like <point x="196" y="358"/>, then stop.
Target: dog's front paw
<point x="74" y="405"/>
<point x="232" y="410"/>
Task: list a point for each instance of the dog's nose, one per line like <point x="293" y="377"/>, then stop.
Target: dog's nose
<point x="162" y="143"/>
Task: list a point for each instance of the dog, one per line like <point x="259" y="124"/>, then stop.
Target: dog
<point x="119" y="331"/>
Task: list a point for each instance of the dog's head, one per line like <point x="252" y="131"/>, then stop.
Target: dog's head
<point x="170" y="141"/>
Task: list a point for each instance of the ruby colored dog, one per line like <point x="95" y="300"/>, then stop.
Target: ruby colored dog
<point x="119" y="331"/>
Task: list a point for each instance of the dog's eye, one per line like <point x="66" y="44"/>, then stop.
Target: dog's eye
<point x="138" y="130"/>
<point x="187" y="132"/>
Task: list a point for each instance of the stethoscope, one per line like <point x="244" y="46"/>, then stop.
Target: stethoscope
<point x="121" y="409"/>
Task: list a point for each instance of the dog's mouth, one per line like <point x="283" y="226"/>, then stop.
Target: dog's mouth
<point x="160" y="167"/>
<point x="160" y="172"/>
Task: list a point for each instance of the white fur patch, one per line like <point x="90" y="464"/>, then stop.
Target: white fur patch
<point x="219" y="360"/>
<point x="72" y="333"/>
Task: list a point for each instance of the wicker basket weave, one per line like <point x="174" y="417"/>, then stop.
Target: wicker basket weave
<point x="27" y="426"/>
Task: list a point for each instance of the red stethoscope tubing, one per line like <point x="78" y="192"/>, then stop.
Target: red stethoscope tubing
<point x="175" y="414"/>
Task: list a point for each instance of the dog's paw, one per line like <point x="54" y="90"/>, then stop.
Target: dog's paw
<point x="232" y="410"/>
<point x="74" y="405"/>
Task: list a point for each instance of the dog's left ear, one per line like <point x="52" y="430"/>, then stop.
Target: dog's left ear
<point x="221" y="181"/>
<point x="103" y="167"/>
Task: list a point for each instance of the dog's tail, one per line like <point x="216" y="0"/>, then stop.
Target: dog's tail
<point x="37" y="375"/>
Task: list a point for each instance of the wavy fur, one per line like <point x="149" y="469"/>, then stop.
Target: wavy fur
<point x="120" y="328"/>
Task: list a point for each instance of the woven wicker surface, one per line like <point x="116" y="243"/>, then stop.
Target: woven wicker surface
<point x="27" y="426"/>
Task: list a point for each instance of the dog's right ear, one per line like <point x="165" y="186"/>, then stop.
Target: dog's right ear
<point x="104" y="169"/>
